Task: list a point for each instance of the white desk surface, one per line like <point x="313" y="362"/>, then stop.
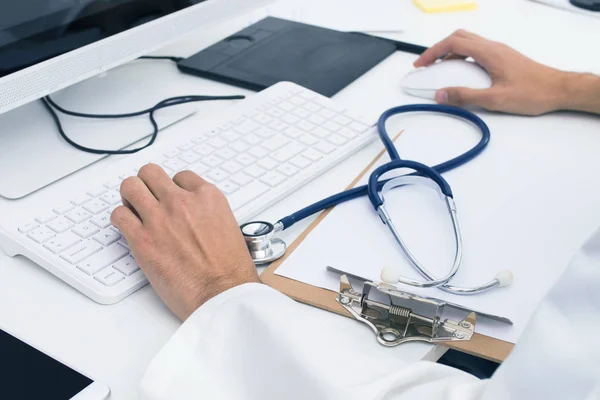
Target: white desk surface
<point x="115" y="344"/>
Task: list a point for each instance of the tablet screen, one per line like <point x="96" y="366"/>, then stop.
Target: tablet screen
<point x="26" y="373"/>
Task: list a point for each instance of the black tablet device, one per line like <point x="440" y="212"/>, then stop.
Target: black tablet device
<point x="275" y="50"/>
<point x="27" y="374"/>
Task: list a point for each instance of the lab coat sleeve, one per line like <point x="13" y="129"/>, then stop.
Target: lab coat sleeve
<point x="252" y="342"/>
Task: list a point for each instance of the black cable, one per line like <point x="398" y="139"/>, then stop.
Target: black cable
<point x="52" y="107"/>
<point x="49" y="103"/>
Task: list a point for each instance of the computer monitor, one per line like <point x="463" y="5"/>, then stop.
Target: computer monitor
<point x="49" y="45"/>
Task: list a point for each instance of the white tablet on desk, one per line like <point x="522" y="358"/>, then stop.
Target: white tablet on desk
<point x="27" y="373"/>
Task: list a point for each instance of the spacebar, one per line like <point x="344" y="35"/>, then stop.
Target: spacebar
<point x="246" y="194"/>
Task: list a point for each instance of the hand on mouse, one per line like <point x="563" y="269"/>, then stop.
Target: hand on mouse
<point x="184" y="237"/>
<point x="519" y="84"/>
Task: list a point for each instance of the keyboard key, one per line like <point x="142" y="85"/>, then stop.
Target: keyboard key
<point x="217" y="175"/>
<point x="60" y="225"/>
<point x="102" y="221"/>
<point x="293" y="133"/>
<point x="252" y="139"/>
<point x="80" y="200"/>
<point x="290" y="119"/>
<point x="217" y="143"/>
<point x="278" y="126"/>
<point x="246" y="159"/>
<point x="263" y="119"/>
<point x="127" y="266"/>
<point x="80" y="252"/>
<point x="45" y="218"/>
<point x="308" y="139"/>
<point x="199" y="169"/>
<point x="226" y="126"/>
<point x="325" y="147"/>
<point x="246" y="195"/>
<point x="103" y="259"/>
<point x="111" y="198"/>
<point x="337" y="140"/>
<point x="175" y="165"/>
<point x="204" y="149"/>
<point x="312" y="107"/>
<point x="123" y="242"/>
<point x="340" y="119"/>
<point x="186" y="146"/>
<point x="255" y="171"/>
<point x="300" y="162"/>
<point x="113" y="184"/>
<point x="297" y="100"/>
<point x="275" y="143"/>
<point x="321" y="132"/>
<point x="172" y="154"/>
<point x="246" y="127"/>
<point x="41" y="235"/>
<point x="25" y="229"/>
<point x="305" y="126"/>
<point x="97" y="192"/>
<point x="312" y="155"/>
<point x="348" y="133"/>
<point x="109" y="277"/>
<point x="232" y="167"/>
<point x="276" y="112"/>
<point x="258" y="152"/>
<point x="226" y="153"/>
<point x="327" y="113"/>
<point x="78" y="216"/>
<point x="265" y="133"/>
<point x="230" y="136"/>
<point x="190" y="157"/>
<point x="95" y="207"/>
<point x="273" y="178"/>
<point x="241" y="179"/>
<point x="86" y="230"/>
<point x="302" y="113"/>
<point x="332" y="126"/>
<point x="317" y="119"/>
<point x="358" y="127"/>
<point x="211" y="133"/>
<point x="287" y="152"/>
<point x="267" y="163"/>
<point x="64" y="209"/>
<point x="240" y="146"/>
<point x="107" y="237"/>
<point x="227" y="187"/>
<point x="62" y="243"/>
<point x="287" y="106"/>
<point x="288" y="170"/>
<point x="213" y="161"/>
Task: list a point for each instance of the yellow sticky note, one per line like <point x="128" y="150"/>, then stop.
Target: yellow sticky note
<point x="438" y="6"/>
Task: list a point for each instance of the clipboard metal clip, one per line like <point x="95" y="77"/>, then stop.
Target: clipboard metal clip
<point x="407" y="317"/>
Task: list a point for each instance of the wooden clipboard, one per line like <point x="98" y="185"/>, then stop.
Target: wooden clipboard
<point x="480" y="345"/>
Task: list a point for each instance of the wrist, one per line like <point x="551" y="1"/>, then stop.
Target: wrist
<point x="578" y="92"/>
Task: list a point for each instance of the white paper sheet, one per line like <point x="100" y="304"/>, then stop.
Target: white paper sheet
<point x="527" y="204"/>
<point x="343" y="15"/>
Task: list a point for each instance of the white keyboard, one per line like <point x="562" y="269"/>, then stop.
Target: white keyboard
<point x="270" y="145"/>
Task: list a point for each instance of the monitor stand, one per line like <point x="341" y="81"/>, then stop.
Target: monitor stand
<point x="33" y="155"/>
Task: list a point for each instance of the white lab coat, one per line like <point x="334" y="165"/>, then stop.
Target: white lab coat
<point x="252" y="342"/>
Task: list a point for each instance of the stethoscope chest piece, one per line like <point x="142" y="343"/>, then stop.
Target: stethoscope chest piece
<point x="263" y="247"/>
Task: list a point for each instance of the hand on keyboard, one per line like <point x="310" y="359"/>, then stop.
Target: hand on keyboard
<point x="184" y="237"/>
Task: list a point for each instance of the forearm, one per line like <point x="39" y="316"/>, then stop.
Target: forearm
<point x="579" y="92"/>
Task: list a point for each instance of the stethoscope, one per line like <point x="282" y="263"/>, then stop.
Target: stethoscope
<point x="264" y="247"/>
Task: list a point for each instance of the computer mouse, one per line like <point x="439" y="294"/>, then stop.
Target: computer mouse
<point x="425" y="81"/>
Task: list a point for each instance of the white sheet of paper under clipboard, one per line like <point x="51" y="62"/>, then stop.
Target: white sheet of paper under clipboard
<point x="531" y="225"/>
